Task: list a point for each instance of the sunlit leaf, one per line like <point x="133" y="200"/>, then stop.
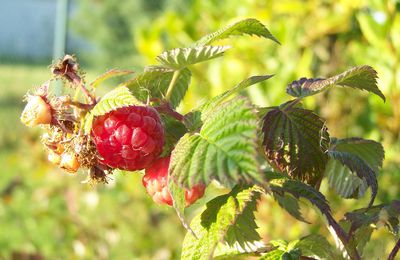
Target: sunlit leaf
<point x="362" y="77"/>
<point x="182" y="57"/>
<point x="154" y="82"/>
<point x="215" y="222"/>
<point x="362" y="157"/>
<point x="195" y="119"/>
<point x="225" y="148"/>
<point x="315" y="246"/>
<point x="247" y="26"/>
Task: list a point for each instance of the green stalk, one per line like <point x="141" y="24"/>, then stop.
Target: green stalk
<point x="60" y="36"/>
<point x="172" y="85"/>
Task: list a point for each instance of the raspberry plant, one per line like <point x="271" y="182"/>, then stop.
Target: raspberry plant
<point x="284" y="151"/>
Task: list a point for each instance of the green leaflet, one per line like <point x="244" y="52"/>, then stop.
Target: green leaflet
<point x="380" y="215"/>
<point x="290" y="204"/>
<point x="295" y="141"/>
<point x="180" y="58"/>
<point x="225" y="148"/>
<point x="247" y="26"/>
<point x="215" y="222"/>
<point x="362" y="222"/>
<point x="117" y="98"/>
<point x="361" y="77"/>
<point x="154" y="82"/>
<point x="301" y="190"/>
<point x="363" y="158"/>
<point x="195" y="119"/>
<point x="343" y="181"/>
<point x="314" y="246"/>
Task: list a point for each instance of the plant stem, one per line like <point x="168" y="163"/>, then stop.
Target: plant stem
<point x="166" y="109"/>
<point x="343" y="237"/>
<point x="394" y="251"/>
<point x="172" y="85"/>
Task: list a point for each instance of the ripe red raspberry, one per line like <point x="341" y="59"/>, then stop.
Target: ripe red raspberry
<point x="155" y="181"/>
<point x="129" y="138"/>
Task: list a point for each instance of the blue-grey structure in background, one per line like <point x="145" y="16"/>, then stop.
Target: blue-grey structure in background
<point x="27" y="29"/>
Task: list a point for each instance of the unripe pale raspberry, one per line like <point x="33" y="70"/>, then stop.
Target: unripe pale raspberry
<point x="69" y="162"/>
<point x="155" y="181"/>
<point x="129" y="138"/>
<point x="36" y="112"/>
<point x="54" y="157"/>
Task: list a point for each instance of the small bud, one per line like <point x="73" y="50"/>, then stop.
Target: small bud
<point x="69" y="162"/>
<point x="36" y="112"/>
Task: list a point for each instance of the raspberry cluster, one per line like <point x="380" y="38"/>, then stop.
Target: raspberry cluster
<point x="129" y="138"/>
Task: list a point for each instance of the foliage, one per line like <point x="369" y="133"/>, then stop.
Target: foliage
<point x="318" y="39"/>
<point x="223" y="144"/>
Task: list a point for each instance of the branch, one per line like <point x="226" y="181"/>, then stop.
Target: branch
<point x="394" y="251"/>
<point x="343" y="237"/>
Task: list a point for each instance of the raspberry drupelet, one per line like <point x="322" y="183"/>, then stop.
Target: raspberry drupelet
<point x="129" y="138"/>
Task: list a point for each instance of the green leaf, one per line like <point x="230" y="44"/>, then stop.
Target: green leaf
<point x="362" y="157"/>
<point x="248" y="26"/>
<point x="109" y="74"/>
<point x="211" y="105"/>
<point x="282" y="250"/>
<point x="301" y="190"/>
<point x="315" y="246"/>
<point x="225" y="148"/>
<point x="273" y="255"/>
<point x="343" y="181"/>
<point x="224" y="251"/>
<point x="362" y="77"/>
<point x="182" y="57"/>
<point x="195" y="119"/>
<point x="116" y="98"/>
<point x="295" y="141"/>
<point x="214" y="223"/>
<point x="380" y="215"/>
<point x="362" y="222"/>
<point x="290" y="204"/>
<point x="154" y="82"/>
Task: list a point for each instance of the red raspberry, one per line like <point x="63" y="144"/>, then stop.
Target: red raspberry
<point x="155" y="181"/>
<point x="129" y="138"/>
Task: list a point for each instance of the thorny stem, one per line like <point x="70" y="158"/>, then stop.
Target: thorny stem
<point x="343" y="237"/>
<point x="166" y="109"/>
<point x="395" y="250"/>
<point x="76" y="80"/>
<point x="172" y="85"/>
<point x="292" y="104"/>
<point x="81" y="105"/>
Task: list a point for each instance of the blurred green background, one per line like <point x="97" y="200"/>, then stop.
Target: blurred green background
<point x="48" y="214"/>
